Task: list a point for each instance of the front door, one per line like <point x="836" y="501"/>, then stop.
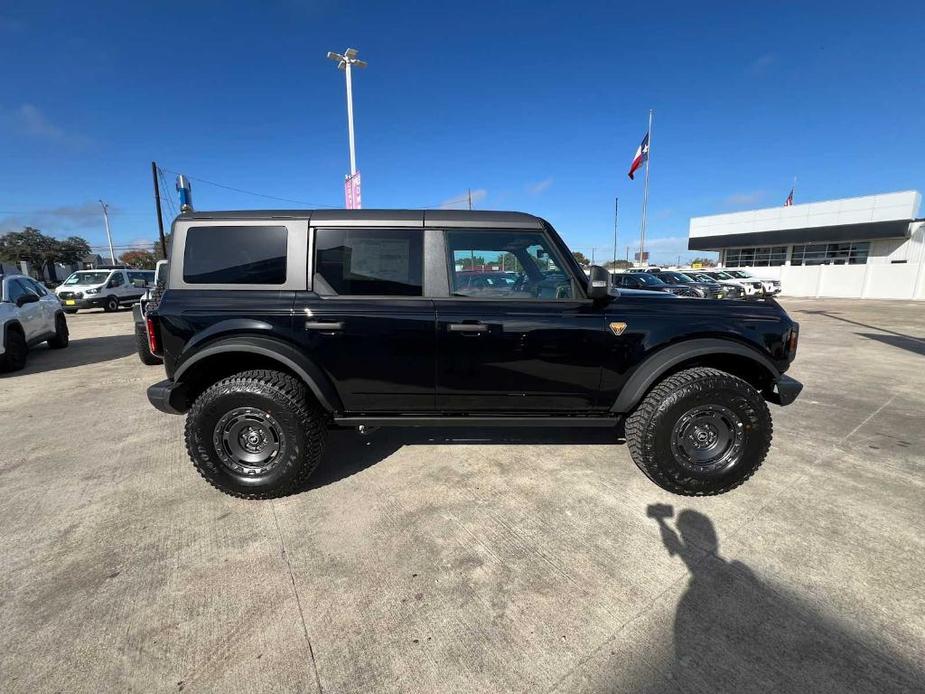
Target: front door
<point x="365" y="321"/>
<point x="515" y="335"/>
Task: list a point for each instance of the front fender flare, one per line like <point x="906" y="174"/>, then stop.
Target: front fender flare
<point x="286" y="354"/>
<point x="655" y="366"/>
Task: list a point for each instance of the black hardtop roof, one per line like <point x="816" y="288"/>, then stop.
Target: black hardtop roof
<point x="475" y="219"/>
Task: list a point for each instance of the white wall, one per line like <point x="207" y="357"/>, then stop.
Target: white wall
<point x="870" y="281"/>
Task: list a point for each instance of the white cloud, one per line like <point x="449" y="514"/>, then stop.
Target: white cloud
<point x="540" y="186"/>
<point x="762" y="63"/>
<point x="461" y="201"/>
<point x="29" y="120"/>
<point x="745" y="199"/>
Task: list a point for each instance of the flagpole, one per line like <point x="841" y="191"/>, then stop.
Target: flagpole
<point x="616" y="208"/>
<point x="794" y="189"/>
<point x="645" y="196"/>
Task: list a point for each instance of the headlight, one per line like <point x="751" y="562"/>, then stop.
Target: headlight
<point x="93" y="291"/>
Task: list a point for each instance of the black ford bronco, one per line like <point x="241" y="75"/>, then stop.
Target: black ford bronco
<point x="277" y="325"/>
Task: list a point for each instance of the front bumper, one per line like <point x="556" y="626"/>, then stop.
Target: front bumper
<point x="77" y="304"/>
<point x="783" y="391"/>
<point x="167" y="397"/>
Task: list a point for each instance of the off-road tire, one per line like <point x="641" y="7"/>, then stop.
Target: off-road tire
<point x="16" y="349"/>
<point x="112" y="304"/>
<point x="144" y="349"/>
<point x="62" y="336"/>
<point x="650" y="431"/>
<point x="303" y="428"/>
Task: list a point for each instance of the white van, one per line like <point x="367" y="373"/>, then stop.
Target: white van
<point x="107" y="288"/>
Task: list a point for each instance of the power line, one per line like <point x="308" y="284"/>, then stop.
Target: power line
<point x="250" y="192"/>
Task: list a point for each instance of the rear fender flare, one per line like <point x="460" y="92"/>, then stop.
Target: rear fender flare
<point x="653" y="368"/>
<point x="287" y="355"/>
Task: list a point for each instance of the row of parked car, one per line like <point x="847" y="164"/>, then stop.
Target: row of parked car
<point x="30" y="313"/>
<point x="698" y="284"/>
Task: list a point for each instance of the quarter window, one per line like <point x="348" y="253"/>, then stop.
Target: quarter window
<point x="369" y="262"/>
<point x="507" y="265"/>
<point x="235" y="255"/>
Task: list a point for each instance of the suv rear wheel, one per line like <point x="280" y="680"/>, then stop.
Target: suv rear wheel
<point x="700" y="432"/>
<point x="255" y="434"/>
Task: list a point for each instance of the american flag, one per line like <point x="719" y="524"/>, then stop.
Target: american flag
<point x="789" y="201"/>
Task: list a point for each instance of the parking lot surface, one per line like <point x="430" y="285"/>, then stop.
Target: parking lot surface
<point x="508" y="560"/>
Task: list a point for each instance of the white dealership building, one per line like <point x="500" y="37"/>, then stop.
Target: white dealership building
<point x="870" y="247"/>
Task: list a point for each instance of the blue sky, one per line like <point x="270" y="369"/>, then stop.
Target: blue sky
<point x="534" y="106"/>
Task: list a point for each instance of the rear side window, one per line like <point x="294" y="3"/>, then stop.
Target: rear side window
<point x="369" y="262"/>
<point x="235" y="255"/>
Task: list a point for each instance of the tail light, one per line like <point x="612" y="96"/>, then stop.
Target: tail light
<point x="152" y="337"/>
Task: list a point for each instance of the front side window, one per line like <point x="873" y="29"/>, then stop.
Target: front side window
<point x="506" y="264"/>
<point x="369" y="262"/>
<point x="118" y="279"/>
<point x="36" y="287"/>
<point x="235" y="255"/>
<point x="16" y="289"/>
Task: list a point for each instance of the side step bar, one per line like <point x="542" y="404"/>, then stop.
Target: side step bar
<point x="455" y="421"/>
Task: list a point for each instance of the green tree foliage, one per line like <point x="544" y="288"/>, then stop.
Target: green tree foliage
<point x="32" y="245"/>
<point x="140" y="258"/>
<point x="618" y="265"/>
<point x="582" y="260"/>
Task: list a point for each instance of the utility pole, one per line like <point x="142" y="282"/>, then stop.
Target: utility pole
<point x="592" y="255"/>
<point x="470" y="197"/>
<point x="112" y="253"/>
<point x="627" y="254"/>
<point x="157" y="207"/>
<point x="616" y="208"/>
<point x="346" y="62"/>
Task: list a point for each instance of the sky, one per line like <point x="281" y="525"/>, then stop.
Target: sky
<point x="533" y="106"/>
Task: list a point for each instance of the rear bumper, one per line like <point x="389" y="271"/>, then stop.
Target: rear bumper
<point x="783" y="391"/>
<point x="168" y="398"/>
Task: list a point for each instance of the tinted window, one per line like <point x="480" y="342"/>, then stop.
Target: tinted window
<point x="16" y="289"/>
<point x="369" y="262"/>
<point x="506" y="264"/>
<point x="235" y="255"/>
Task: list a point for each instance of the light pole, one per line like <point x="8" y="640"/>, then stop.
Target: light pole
<point x="346" y="62"/>
<point x="112" y="254"/>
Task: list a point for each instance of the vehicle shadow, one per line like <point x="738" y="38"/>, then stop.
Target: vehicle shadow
<point x="90" y="350"/>
<point x="348" y="452"/>
<point x="733" y="632"/>
<point x="916" y="345"/>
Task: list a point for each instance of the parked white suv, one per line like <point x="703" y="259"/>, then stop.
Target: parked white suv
<point x="29" y="314"/>
<point x="769" y="287"/>
<point x="751" y="287"/>
<point x="107" y="288"/>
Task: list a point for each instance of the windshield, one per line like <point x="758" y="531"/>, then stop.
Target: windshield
<point x="722" y="276"/>
<point x="676" y="277"/>
<point x="85" y="278"/>
<point x="648" y="280"/>
<point x="740" y="274"/>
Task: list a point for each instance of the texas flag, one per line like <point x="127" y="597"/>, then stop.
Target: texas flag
<point x="642" y="154"/>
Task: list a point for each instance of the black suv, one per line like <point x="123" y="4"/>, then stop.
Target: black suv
<point x="278" y="325"/>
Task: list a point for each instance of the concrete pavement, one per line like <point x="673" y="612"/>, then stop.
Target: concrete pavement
<point x="489" y="561"/>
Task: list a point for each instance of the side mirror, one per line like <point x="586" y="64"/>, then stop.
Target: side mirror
<point x="24" y="299"/>
<point x="598" y="282"/>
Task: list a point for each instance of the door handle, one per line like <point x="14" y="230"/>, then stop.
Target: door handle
<point x="467" y="328"/>
<point x="328" y="327"/>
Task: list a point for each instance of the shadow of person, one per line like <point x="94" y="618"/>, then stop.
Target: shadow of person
<point x="734" y="632"/>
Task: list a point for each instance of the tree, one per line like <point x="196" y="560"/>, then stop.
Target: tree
<point x="582" y="260"/>
<point x="470" y="262"/>
<point x="139" y="258"/>
<point x="41" y="250"/>
<point x="618" y="265"/>
<point x="705" y="262"/>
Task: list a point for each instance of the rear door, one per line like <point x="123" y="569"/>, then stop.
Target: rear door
<point x="364" y="319"/>
<point x="534" y="343"/>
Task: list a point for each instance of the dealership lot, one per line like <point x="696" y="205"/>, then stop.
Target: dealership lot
<point x="506" y="560"/>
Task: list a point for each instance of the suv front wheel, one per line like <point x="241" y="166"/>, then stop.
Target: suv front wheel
<point x="699" y="432"/>
<point x="256" y="434"/>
